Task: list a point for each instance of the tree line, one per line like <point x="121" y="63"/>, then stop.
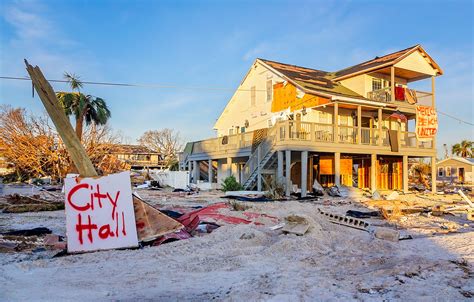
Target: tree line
<point x="33" y="148"/>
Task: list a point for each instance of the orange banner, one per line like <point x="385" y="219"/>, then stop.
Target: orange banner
<point x="426" y="123"/>
<point x="285" y="96"/>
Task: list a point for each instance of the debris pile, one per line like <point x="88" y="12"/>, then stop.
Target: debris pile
<point x="16" y="203"/>
<point x="30" y="240"/>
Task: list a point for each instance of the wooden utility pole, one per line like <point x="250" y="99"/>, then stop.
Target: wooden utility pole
<point x="61" y="121"/>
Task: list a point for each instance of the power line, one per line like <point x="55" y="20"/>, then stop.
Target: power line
<point x="455" y="118"/>
<point x="162" y="86"/>
<point x="159" y="86"/>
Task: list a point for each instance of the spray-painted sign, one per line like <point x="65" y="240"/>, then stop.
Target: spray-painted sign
<point x="99" y="213"/>
<point x="426" y="123"/>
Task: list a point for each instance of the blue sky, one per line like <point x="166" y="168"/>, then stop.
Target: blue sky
<point x="213" y="43"/>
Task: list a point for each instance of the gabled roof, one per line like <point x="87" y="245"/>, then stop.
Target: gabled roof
<point x="386" y="60"/>
<point x="468" y="161"/>
<point x="311" y="79"/>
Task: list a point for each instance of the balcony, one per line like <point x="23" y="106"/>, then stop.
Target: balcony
<point x="325" y="133"/>
<point x="226" y="143"/>
<point x="410" y="96"/>
<point x="318" y="136"/>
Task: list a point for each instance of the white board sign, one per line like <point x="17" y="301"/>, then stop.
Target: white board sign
<point x="99" y="213"/>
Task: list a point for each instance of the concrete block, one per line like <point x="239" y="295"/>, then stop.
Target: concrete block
<point x="387" y="234"/>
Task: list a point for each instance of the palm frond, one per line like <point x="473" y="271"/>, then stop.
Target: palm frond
<point x="97" y="111"/>
<point x="73" y="80"/>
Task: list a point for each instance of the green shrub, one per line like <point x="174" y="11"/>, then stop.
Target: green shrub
<point x="231" y="184"/>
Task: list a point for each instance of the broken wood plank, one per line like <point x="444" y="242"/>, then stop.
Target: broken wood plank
<point x="151" y="223"/>
<point x="61" y="121"/>
<point x="466" y="199"/>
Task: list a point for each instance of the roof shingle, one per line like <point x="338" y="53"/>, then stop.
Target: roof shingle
<point x="312" y="79"/>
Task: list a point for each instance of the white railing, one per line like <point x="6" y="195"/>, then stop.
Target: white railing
<point x="323" y="132"/>
<point x="290" y="131"/>
<point x="384" y="95"/>
<point x="380" y="95"/>
<point x="369" y="136"/>
<point x="224" y="143"/>
<point x="347" y="134"/>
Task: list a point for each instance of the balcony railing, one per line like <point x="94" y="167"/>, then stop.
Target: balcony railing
<point x="380" y="95"/>
<point x="384" y="95"/>
<point x="325" y="133"/>
<point x="292" y="131"/>
<point x="224" y="143"/>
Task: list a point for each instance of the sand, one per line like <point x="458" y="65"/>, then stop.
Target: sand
<point x="329" y="263"/>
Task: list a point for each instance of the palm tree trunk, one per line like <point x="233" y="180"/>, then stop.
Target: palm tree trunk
<point x="79" y="125"/>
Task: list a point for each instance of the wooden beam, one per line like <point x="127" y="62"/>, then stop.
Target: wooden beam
<point x="405" y="174"/>
<point x="433" y="100"/>
<point x="337" y="168"/>
<point x="433" y="175"/>
<point x="336" y="122"/>
<point x="359" y="122"/>
<point x="392" y="83"/>
<point x="373" y="172"/>
<point x="380" y="116"/>
<point x="63" y="126"/>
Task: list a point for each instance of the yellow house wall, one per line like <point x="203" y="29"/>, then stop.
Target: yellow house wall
<point x="358" y="84"/>
<point x="239" y="107"/>
<point x="362" y="84"/>
<point x="416" y="62"/>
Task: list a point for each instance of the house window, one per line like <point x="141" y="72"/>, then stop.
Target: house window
<point x="231" y="131"/>
<point x="253" y="96"/>
<point x="376" y="84"/>
<point x="269" y="90"/>
<point x="448" y="171"/>
<point x="270" y="123"/>
<point x="440" y="172"/>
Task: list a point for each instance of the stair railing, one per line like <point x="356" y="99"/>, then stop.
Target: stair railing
<point x="263" y="148"/>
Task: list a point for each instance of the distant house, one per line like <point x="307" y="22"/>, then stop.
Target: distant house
<point x="456" y="169"/>
<point x="138" y="157"/>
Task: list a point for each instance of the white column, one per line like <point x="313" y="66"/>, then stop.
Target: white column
<point x="304" y="173"/>
<point x="280" y="166"/>
<point x="359" y="122"/>
<point x="337" y="168"/>
<point x="190" y="170"/>
<point x="380" y="116"/>
<point x="195" y="171"/>
<point x="336" y="122"/>
<point x="433" y="174"/>
<point x="229" y="167"/>
<point x="373" y="172"/>
<point x="405" y="173"/>
<point x="259" y="169"/>
<point x="241" y="173"/>
<point x="392" y="83"/>
<point x="288" y="172"/>
<point x="210" y="171"/>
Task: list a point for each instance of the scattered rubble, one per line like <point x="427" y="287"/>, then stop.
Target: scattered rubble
<point x="295" y="224"/>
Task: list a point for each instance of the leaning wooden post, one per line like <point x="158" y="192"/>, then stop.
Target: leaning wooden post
<point x="61" y="121"/>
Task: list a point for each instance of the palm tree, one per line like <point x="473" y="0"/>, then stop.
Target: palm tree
<point x="464" y="149"/>
<point x="92" y="110"/>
